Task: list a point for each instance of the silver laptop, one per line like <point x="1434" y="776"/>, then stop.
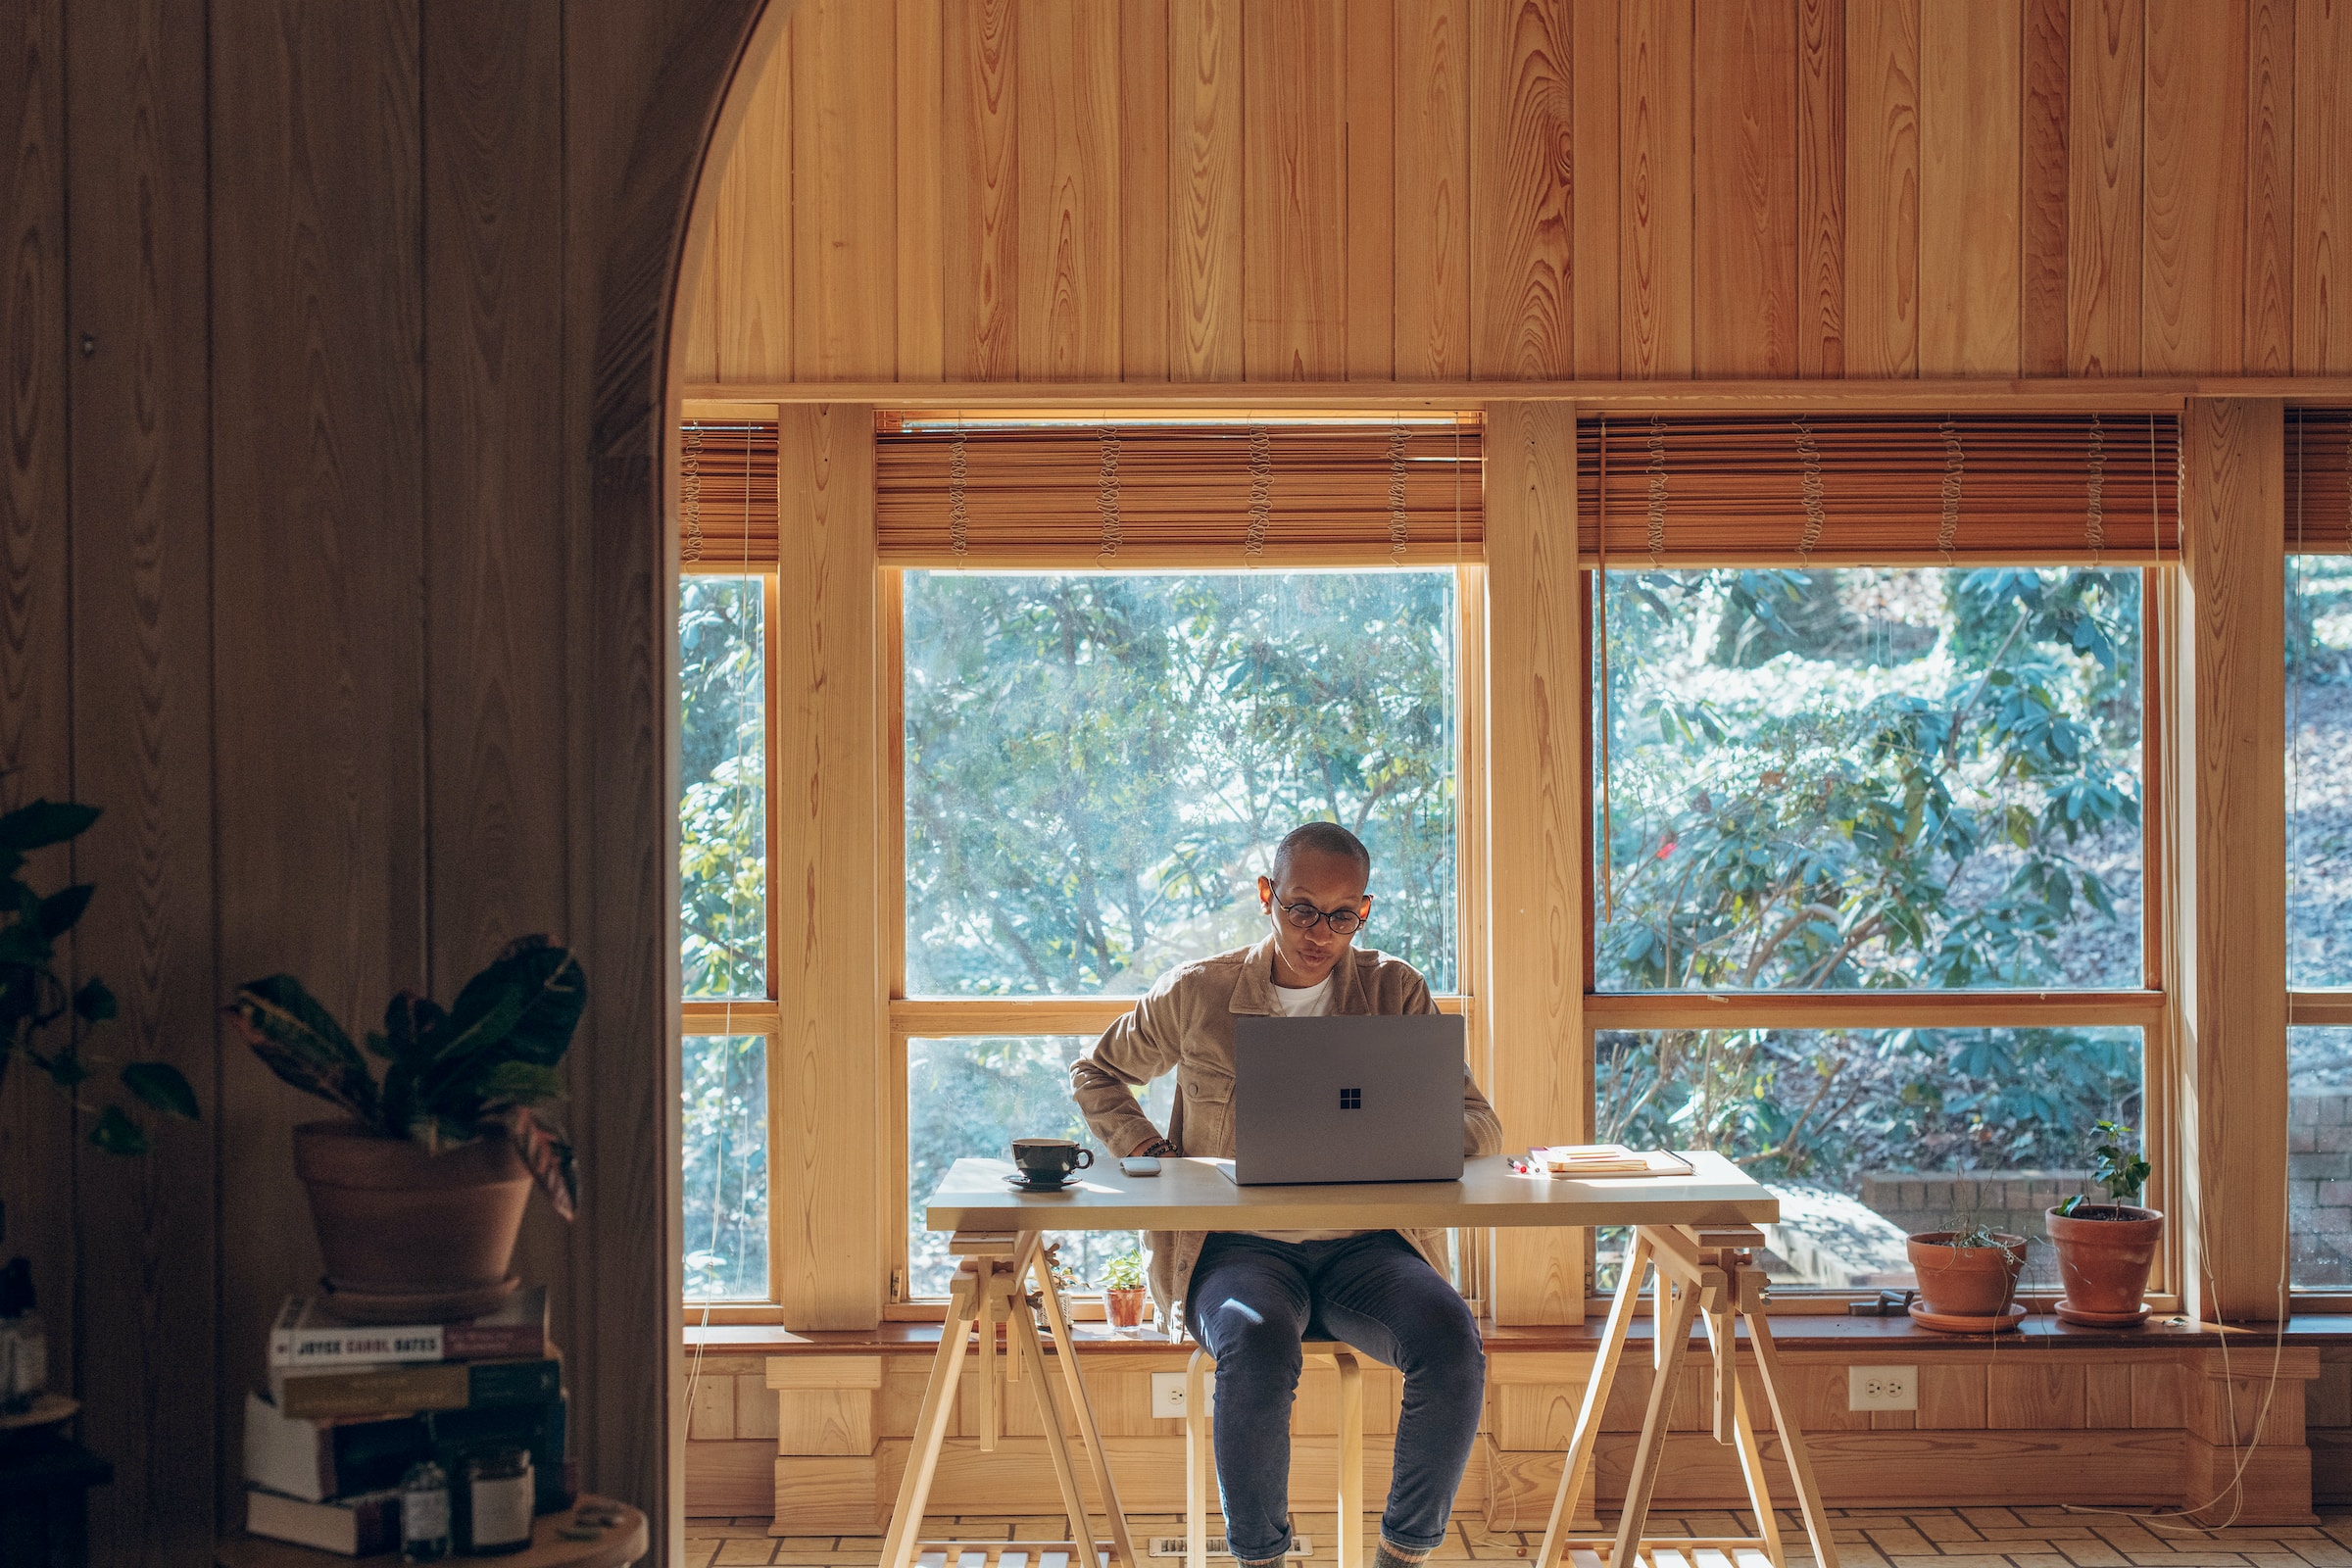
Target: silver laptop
<point x="1347" y="1099"/>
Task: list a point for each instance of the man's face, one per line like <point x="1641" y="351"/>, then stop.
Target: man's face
<point x="1329" y="882"/>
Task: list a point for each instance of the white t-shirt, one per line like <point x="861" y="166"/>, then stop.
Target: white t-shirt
<point x="1308" y="1002"/>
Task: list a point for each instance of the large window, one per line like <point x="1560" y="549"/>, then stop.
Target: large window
<point x="2318" y="910"/>
<point x="1819" y="787"/>
<point x="1097" y="767"/>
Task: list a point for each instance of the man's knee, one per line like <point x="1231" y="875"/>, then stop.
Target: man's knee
<point x="1446" y="1345"/>
<point x="1243" y="1337"/>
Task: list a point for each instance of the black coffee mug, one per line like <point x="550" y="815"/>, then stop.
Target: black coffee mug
<point x="1050" y="1159"/>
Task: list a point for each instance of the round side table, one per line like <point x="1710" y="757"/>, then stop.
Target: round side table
<point x="618" y="1546"/>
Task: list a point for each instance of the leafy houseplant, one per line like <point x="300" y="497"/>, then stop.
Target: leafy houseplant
<point x="419" y="1190"/>
<point x="1967" y="1273"/>
<point x="1123" y="1290"/>
<point x="2106" y="1249"/>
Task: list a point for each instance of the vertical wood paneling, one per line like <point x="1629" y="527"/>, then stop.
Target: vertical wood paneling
<point x="1068" y="138"/>
<point x="980" y="201"/>
<point x="318" y="612"/>
<point x="2323" y="187"/>
<point x="2042" y="333"/>
<point x="1205" y="189"/>
<point x="751" y="245"/>
<point x="2269" y="187"/>
<point x="1821" y="188"/>
<point x="2233" y="946"/>
<point x="1431" y="225"/>
<point x="1743" y="301"/>
<point x="698" y="311"/>
<point x="37" y="1147"/>
<point x="830" y="1272"/>
<point x="141" y="661"/>
<point x="1521" y="191"/>
<point x="1373" y="114"/>
<point x="1881" y="187"/>
<point x="1971" y="107"/>
<point x="1293" y="192"/>
<point x="919" y="99"/>
<point x="1534" y="692"/>
<point x="1654" y="275"/>
<point x="1145" y="301"/>
<point x="496" y="733"/>
<point x="2105" y="94"/>
<point x="2193" y="287"/>
<point x="845" y="273"/>
<point x="1595" y="191"/>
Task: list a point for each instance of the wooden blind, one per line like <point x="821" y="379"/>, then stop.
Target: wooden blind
<point x="727" y="495"/>
<point x="1851" y="490"/>
<point x="1178" y="495"/>
<point x="2319" y="481"/>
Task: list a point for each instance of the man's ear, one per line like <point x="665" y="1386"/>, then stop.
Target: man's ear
<point x="1265" y="893"/>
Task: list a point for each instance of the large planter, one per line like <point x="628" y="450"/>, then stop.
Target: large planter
<point x="1966" y="1282"/>
<point x="395" y="1222"/>
<point x="2104" y="1254"/>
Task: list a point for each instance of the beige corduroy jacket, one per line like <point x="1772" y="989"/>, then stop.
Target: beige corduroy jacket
<point x="1185" y="1025"/>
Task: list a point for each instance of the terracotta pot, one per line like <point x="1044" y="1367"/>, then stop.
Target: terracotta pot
<point x="2104" y="1254"/>
<point x="1124" y="1307"/>
<point x="1966" y="1281"/>
<point x="392" y="1219"/>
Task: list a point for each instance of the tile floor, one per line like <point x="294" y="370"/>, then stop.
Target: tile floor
<point x="1911" y="1538"/>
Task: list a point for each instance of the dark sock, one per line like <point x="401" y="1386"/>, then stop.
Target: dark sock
<point x="1388" y="1557"/>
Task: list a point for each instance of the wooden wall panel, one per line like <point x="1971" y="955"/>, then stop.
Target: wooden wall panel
<point x="2194" y="261"/>
<point x="1534" y="990"/>
<point x="318" y="613"/>
<point x="1821" y="188"/>
<point x="2269" y="187"/>
<point x="1596" y="190"/>
<point x="752" y="247"/>
<point x="2106" y="91"/>
<point x="919" y="99"/>
<point x="1432" y="224"/>
<point x="2323" y="144"/>
<point x="832" y="1267"/>
<point x="1373" y="114"/>
<point x="38" y="1150"/>
<point x="1744" y="178"/>
<point x="142" y="663"/>
<point x="1521" y="191"/>
<point x="1655" y="206"/>
<point x="980" y="199"/>
<point x="1205" y="189"/>
<point x="844" y="174"/>
<point x="1881" y="187"/>
<point x="1293" y="192"/>
<point x="2044" y="184"/>
<point x="1068" y="208"/>
<point x="1971" y="214"/>
<point x="1145" y="214"/>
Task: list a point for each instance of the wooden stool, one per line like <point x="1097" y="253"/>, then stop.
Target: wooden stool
<point x="1199" y="1460"/>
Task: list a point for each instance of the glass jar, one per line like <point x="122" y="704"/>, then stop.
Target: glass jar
<point x="501" y="1496"/>
<point x="424" y="1513"/>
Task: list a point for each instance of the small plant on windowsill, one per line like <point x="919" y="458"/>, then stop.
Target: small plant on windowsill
<point x="1123" y="1292"/>
<point x="1967" y="1275"/>
<point x="2105" y="1250"/>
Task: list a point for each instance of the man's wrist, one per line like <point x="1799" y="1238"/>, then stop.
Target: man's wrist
<point x="1153" y="1147"/>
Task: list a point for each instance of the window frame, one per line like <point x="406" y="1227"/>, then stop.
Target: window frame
<point x="2150" y="1008"/>
<point x="2313" y="1006"/>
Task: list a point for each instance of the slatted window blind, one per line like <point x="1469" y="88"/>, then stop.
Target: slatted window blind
<point x="1853" y="490"/>
<point x="2319" y="481"/>
<point x="1178" y="495"/>
<point x="727" y="495"/>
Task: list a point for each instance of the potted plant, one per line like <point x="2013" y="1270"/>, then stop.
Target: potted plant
<point x="418" y="1190"/>
<point x="1123" y="1292"/>
<point x="1965" y="1274"/>
<point x="2106" y="1249"/>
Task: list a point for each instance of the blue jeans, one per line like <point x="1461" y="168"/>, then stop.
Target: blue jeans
<point x="1253" y="1301"/>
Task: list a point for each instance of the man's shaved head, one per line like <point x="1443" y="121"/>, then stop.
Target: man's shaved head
<point x="1321" y="838"/>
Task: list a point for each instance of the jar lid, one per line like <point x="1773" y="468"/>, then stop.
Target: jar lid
<point x="504" y="1460"/>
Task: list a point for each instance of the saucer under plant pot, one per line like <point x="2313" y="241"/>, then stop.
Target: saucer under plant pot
<point x="2105" y="1250"/>
<point x="1967" y="1279"/>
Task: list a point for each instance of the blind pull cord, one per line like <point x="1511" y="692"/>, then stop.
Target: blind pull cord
<point x="1106" y="497"/>
<point x="691" y="484"/>
<point x="1657" y="489"/>
<point x="1808" y="452"/>
<point x="1608" y="878"/>
<point x="959" y="520"/>
<point x="1397" y="522"/>
<point x="2094" y="508"/>
<point x="1262" y="492"/>
<point x="1955" y="462"/>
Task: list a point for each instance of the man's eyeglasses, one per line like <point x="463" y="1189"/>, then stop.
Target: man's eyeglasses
<point x="1305" y="916"/>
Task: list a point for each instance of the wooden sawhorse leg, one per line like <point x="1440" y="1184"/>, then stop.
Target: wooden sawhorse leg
<point x="1710" y="1274"/>
<point x="991" y="1283"/>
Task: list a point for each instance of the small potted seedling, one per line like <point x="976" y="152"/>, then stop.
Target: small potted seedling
<point x="2106" y="1249"/>
<point x="1123" y="1292"/>
<point x="1966" y="1276"/>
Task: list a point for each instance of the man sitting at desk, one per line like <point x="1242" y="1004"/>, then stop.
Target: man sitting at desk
<point x="1252" y="1296"/>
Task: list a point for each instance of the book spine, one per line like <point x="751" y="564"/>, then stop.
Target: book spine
<point x="410" y="1390"/>
<point x="481" y="1342"/>
<point x="328" y="1346"/>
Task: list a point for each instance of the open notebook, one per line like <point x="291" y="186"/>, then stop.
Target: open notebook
<point x="1604" y="1159"/>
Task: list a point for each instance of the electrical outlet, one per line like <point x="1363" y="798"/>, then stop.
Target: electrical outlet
<point x="1881" y="1388"/>
<point x="1167" y="1395"/>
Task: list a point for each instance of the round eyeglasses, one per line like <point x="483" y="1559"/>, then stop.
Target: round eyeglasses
<point x="1305" y="917"/>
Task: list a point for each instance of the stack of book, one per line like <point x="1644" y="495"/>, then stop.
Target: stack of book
<point x="350" y="1407"/>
